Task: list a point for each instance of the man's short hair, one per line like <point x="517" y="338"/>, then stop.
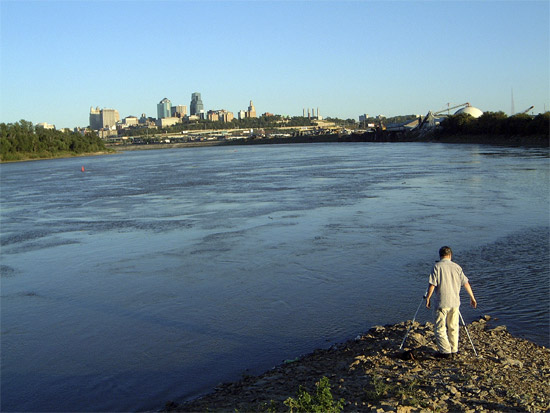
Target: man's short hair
<point x="444" y="251"/>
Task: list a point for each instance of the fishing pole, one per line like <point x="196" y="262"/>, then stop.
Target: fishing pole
<point x="466" y="328"/>
<point x="414" y="318"/>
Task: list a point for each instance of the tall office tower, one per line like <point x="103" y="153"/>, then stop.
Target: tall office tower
<point x="164" y="109"/>
<point x="95" y="118"/>
<point x="251" y="110"/>
<point x="196" y="107"/>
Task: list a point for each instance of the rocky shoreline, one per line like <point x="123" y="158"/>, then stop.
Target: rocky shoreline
<point x="370" y="373"/>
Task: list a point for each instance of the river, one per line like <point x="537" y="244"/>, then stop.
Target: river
<point x="155" y="275"/>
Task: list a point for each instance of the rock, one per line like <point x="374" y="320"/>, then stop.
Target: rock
<point x="377" y="329"/>
<point x="498" y="329"/>
<point x="418" y="339"/>
<point x="511" y="362"/>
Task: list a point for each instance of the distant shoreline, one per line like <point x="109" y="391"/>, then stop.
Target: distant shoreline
<point x="61" y="156"/>
<point x="501" y="140"/>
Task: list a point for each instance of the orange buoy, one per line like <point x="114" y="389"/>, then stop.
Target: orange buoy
<point x="82" y="169"/>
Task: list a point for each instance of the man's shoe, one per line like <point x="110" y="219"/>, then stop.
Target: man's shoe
<point x="443" y="355"/>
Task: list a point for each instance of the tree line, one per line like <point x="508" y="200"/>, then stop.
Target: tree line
<point x="22" y="140"/>
<point x="496" y="123"/>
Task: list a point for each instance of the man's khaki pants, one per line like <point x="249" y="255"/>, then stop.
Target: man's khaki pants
<point x="446" y="329"/>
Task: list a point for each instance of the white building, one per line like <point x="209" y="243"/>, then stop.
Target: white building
<point x="45" y="125"/>
<point x="166" y="122"/>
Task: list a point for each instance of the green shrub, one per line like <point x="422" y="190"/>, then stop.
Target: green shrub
<point x="320" y="402"/>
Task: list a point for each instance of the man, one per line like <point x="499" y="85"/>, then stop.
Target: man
<point x="446" y="279"/>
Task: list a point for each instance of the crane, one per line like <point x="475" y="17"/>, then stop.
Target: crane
<point x="430" y="118"/>
<point x="526" y="110"/>
<point x="454" y="107"/>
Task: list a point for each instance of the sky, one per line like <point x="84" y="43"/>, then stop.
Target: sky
<point x="347" y="58"/>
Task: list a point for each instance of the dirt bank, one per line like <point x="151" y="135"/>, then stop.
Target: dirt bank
<point x="371" y="374"/>
<point x="142" y="147"/>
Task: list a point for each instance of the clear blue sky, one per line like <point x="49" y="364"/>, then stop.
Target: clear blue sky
<point x="58" y="58"/>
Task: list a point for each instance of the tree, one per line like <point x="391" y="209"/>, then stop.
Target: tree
<point x="21" y="140"/>
<point x="455" y="124"/>
<point x="490" y="123"/>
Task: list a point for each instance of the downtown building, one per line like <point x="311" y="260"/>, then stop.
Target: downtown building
<point x="196" y="108"/>
<point x="167" y="114"/>
<point x="220" y="115"/>
<point x="164" y="109"/>
<point x="179" y="111"/>
<point x="103" y="118"/>
<point x="250" y="113"/>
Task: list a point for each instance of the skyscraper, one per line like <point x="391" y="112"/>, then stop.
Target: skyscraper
<point x="196" y="107"/>
<point x="164" y="109"/>
<point x="103" y="118"/>
<point x="95" y="118"/>
<point x="251" y="111"/>
<point x="109" y="118"/>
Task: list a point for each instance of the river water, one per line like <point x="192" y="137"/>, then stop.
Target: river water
<point x="156" y="275"/>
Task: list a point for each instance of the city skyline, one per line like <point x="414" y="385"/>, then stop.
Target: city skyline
<point x="109" y="119"/>
<point x="349" y="57"/>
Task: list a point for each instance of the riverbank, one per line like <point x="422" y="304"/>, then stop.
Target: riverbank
<point x="63" y="155"/>
<point x="370" y="373"/>
<point x="153" y="146"/>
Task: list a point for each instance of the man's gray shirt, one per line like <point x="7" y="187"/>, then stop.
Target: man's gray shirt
<point x="448" y="278"/>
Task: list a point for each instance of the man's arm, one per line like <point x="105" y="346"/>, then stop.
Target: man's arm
<point x="468" y="289"/>
<point x="431" y="289"/>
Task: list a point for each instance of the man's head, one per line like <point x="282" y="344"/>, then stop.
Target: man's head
<point x="445" y="252"/>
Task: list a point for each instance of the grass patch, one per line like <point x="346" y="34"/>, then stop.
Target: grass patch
<point x="407" y="394"/>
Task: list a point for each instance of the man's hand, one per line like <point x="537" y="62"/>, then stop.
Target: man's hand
<point x="468" y="289"/>
<point x="428" y="295"/>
